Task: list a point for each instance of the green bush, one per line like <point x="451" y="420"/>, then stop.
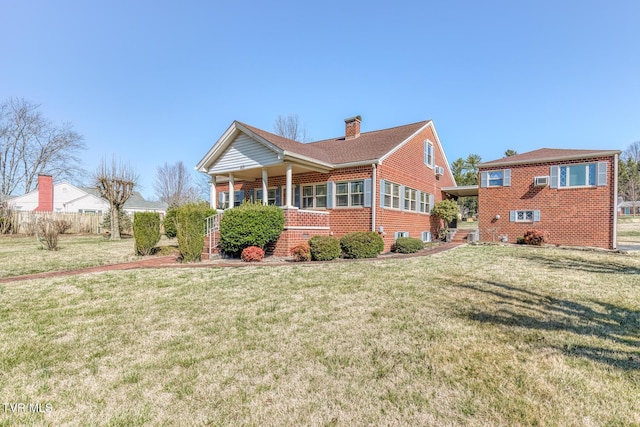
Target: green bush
<point x="191" y="228"/>
<point x="324" y="248"/>
<point x="362" y="244"/>
<point x="146" y="231"/>
<point x="170" y="223"/>
<point x="408" y="245"/>
<point x="250" y="224"/>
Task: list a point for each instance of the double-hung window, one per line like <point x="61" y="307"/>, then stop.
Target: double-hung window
<point x="314" y="196"/>
<point x="350" y="194"/>
<point x="428" y="153"/>
<point x="495" y="178"/>
<point x="410" y="199"/>
<point x="391" y="195"/>
<point x="425" y="203"/>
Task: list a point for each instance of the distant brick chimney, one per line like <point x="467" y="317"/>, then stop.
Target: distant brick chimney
<point x="352" y="127"/>
<point x="45" y="193"/>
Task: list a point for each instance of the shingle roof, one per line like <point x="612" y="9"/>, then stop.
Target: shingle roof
<point x="136" y="201"/>
<point x="368" y="146"/>
<point x="548" y="155"/>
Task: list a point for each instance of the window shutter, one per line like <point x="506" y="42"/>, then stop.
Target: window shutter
<point x="512" y="216"/>
<point x="431" y="202"/>
<point x="402" y="197"/>
<point x="382" y="193"/>
<point x="279" y="196"/>
<point x="330" y="187"/>
<point x="426" y="147"/>
<point x="296" y="195"/>
<point x="238" y="197"/>
<point x="506" y="177"/>
<point x="602" y="173"/>
<point x="251" y="194"/>
<point x="259" y="196"/>
<point x="367" y="193"/>
<point x="554" y="177"/>
<point x="418" y="200"/>
<point x="536" y="216"/>
<point x="484" y="178"/>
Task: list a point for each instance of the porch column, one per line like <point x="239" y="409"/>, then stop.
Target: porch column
<point x="232" y="197"/>
<point x="213" y="196"/>
<point x="265" y="187"/>
<point x="288" y="189"/>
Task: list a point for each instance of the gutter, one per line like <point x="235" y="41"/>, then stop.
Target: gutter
<point x="374" y="174"/>
<point x="615" y="202"/>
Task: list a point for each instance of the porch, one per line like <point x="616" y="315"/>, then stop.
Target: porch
<point x="299" y="226"/>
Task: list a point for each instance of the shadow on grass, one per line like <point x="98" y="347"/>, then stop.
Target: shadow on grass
<point x="575" y="262"/>
<point x="616" y="327"/>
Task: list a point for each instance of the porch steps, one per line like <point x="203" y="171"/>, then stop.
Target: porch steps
<point x="460" y="236"/>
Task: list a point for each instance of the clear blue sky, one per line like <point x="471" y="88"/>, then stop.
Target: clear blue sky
<point x="159" y="81"/>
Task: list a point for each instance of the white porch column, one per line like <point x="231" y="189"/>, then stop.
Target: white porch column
<point x="213" y="196"/>
<point x="289" y="182"/>
<point x="265" y="187"/>
<point x="232" y="197"/>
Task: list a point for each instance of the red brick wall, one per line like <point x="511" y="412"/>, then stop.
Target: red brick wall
<point x="406" y="167"/>
<point x="570" y="216"/>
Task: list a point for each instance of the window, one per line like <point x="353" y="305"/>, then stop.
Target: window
<point x="410" y="200"/>
<point x="426" y="236"/>
<point x="428" y="153"/>
<point x="578" y="175"/>
<point x="400" y="234"/>
<point x="497" y="178"/>
<point x="425" y="203"/>
<point x="391" y="195"/>
<point x="273" y="198"/>
<point x="314" y="196"/>
<point x="524" y="216"/>
<point x="350" y="194"/>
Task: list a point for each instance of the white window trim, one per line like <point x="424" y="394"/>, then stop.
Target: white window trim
<point x="426" y="195"/>
<point x="259" y="199"/>
<point x="390" y="194"/>
<point x="587" y="176"/>
<point x="348" y="194"/>
<point x="408" y="200"/>
<point x="314" y="197"/>
<point x="429" y="163"/>
<point x="501" y="171"/>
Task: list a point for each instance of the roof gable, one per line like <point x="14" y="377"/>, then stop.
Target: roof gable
<point x="244" y="152"/>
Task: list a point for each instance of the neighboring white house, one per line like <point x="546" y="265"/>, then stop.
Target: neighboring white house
<point x="68" y="198"/>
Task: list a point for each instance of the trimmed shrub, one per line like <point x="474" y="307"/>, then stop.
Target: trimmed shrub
<point x="324" y="248"/>
<point x="408" y="245"/>
<point x="362" y="244"/>
<point x="170" y="223"/>
<point x="252" y="254"/>
<point x="301" y="252"/>
<point x="535" y="237"/>
<point x="250" y="224"/>
<point x="146" y="231"/>
<point x="190" y="228"/>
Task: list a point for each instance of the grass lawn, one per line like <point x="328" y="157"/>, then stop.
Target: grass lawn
<point x="480" y="335"/>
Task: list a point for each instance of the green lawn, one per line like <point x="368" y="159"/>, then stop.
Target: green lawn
<point x="480" y="335"/>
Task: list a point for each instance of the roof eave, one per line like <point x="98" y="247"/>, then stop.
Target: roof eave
<point x="593" y="155"/>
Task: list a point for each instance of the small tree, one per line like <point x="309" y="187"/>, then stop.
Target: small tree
<point x="445" y="210"/>
<point x="146" y="231"/>
<point x="115" y="183"/>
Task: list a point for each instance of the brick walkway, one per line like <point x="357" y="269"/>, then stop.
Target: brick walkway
<point x="171" y="262"/>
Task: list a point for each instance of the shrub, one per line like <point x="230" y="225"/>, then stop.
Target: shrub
<point x="124" y="220"/>
<point x="146" y="231"/>
<point x="446" y="210"/>
<point x="6" y="220"/>
<point x="408" y="245"/>
<point x="170" y="223"/>
<point x="301" y="252"/>
<point x="47" y="232"/>
<point x="362" y="244"/>
<point x="535" y="237"/>
<point x="190" y="228"/>
<point x="252" y="254"/>
<point x="62" y="225"/>
<point x="250" y="224"/>
<point x="324" y="248"/>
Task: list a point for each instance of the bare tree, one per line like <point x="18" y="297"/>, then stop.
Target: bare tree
<point x="31" y="145"/>
<point x="115" y="182"/>
<point x="629" y="175"/>
<point x="290" y="127"/>
<point x="173" y="184"/>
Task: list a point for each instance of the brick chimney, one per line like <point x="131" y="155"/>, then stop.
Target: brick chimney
<point x="45" y="193"/>
<point x="352" y="127"/>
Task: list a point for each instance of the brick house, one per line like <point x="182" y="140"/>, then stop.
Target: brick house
<point x="385" y="181"/>
<point x="570" y="194"/>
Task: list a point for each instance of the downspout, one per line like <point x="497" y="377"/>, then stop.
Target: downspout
<point x="373" y="196"/>
<point x="615" y="202"/>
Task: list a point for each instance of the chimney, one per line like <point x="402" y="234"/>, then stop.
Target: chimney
<point x="352" y="127"/>
<point x="45" y="193"/>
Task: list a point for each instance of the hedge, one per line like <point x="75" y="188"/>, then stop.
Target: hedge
<point x="324" y="248"/>
<point x="408" y="245"/>
<point x="146" y="231"/>
<point x="190" y="227"/>
<point x="362" y="244"/>
<point x="250" y="224"/>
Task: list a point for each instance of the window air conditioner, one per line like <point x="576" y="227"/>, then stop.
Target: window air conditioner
<point x="541" y="181"/>
<point x="439" y="170"/>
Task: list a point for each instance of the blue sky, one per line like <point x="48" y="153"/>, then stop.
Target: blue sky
<point x="159" y="81"/>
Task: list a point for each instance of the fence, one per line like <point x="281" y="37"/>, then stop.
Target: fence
<point x="81" y="223"/>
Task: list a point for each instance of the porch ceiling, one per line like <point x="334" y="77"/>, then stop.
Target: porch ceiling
<point x="254" y="174"/>
<point x="462" y="191"/>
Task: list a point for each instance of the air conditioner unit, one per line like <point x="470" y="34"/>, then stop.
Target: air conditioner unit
<point x="541" y="181"/>
<point x="439" y="170"/>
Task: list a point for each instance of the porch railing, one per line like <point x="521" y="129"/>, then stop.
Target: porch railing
<point x="212" y="226"/>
